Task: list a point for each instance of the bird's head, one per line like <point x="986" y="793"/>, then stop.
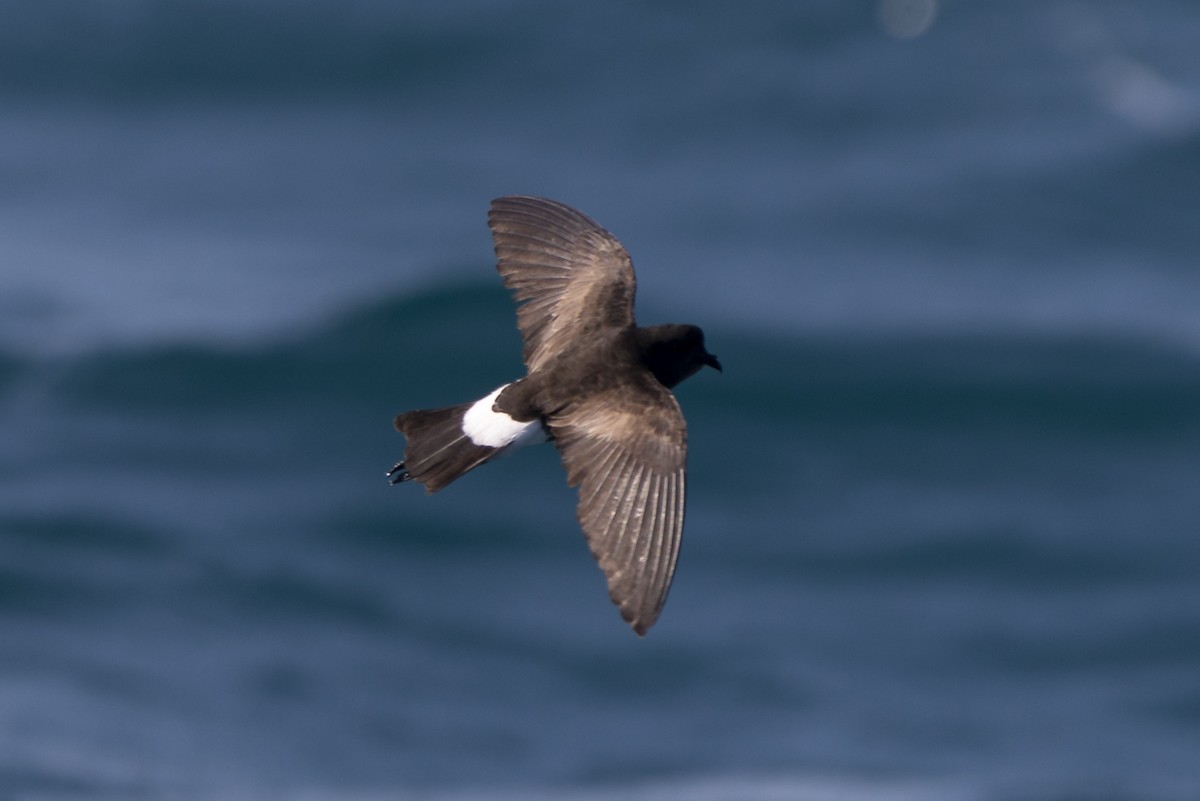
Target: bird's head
<point x="674" y="352"/>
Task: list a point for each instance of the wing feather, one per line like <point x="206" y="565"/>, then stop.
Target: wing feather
<point x="627" y="452"/>
<point x="571" y="277"/>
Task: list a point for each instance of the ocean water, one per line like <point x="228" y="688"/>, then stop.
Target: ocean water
<point x="943" y="536"/>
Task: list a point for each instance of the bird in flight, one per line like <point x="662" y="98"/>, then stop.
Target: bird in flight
<point x="597" y="385"/>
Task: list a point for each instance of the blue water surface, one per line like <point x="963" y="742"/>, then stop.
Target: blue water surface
<point x="943" y="533"/>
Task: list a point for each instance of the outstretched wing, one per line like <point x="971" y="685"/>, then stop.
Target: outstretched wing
<point x="626" y="450"/>
<point x="570" y="276"/>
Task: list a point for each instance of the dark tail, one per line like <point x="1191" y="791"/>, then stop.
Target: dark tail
<point x="438" y="451"/>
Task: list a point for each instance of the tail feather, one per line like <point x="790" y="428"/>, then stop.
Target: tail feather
<point x="438" y="450"/>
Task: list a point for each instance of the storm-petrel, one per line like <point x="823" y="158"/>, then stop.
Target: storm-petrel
<point x="598" y="386"/>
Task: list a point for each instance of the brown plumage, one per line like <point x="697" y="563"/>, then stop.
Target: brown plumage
<point x="597" y="385"/>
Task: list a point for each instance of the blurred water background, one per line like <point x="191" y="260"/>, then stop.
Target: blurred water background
<point x="945" y="500"/>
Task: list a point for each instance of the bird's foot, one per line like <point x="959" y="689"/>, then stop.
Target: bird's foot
<point x="398" y="473"/>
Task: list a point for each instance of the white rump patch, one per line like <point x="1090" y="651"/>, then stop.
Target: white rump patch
<point x="493" y="429"/>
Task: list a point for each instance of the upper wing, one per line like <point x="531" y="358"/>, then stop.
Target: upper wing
<point x="627" y="453"/>
<point x="571" y="277"/>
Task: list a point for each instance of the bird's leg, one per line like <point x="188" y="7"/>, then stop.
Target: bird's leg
<point x="398" y="473"/>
